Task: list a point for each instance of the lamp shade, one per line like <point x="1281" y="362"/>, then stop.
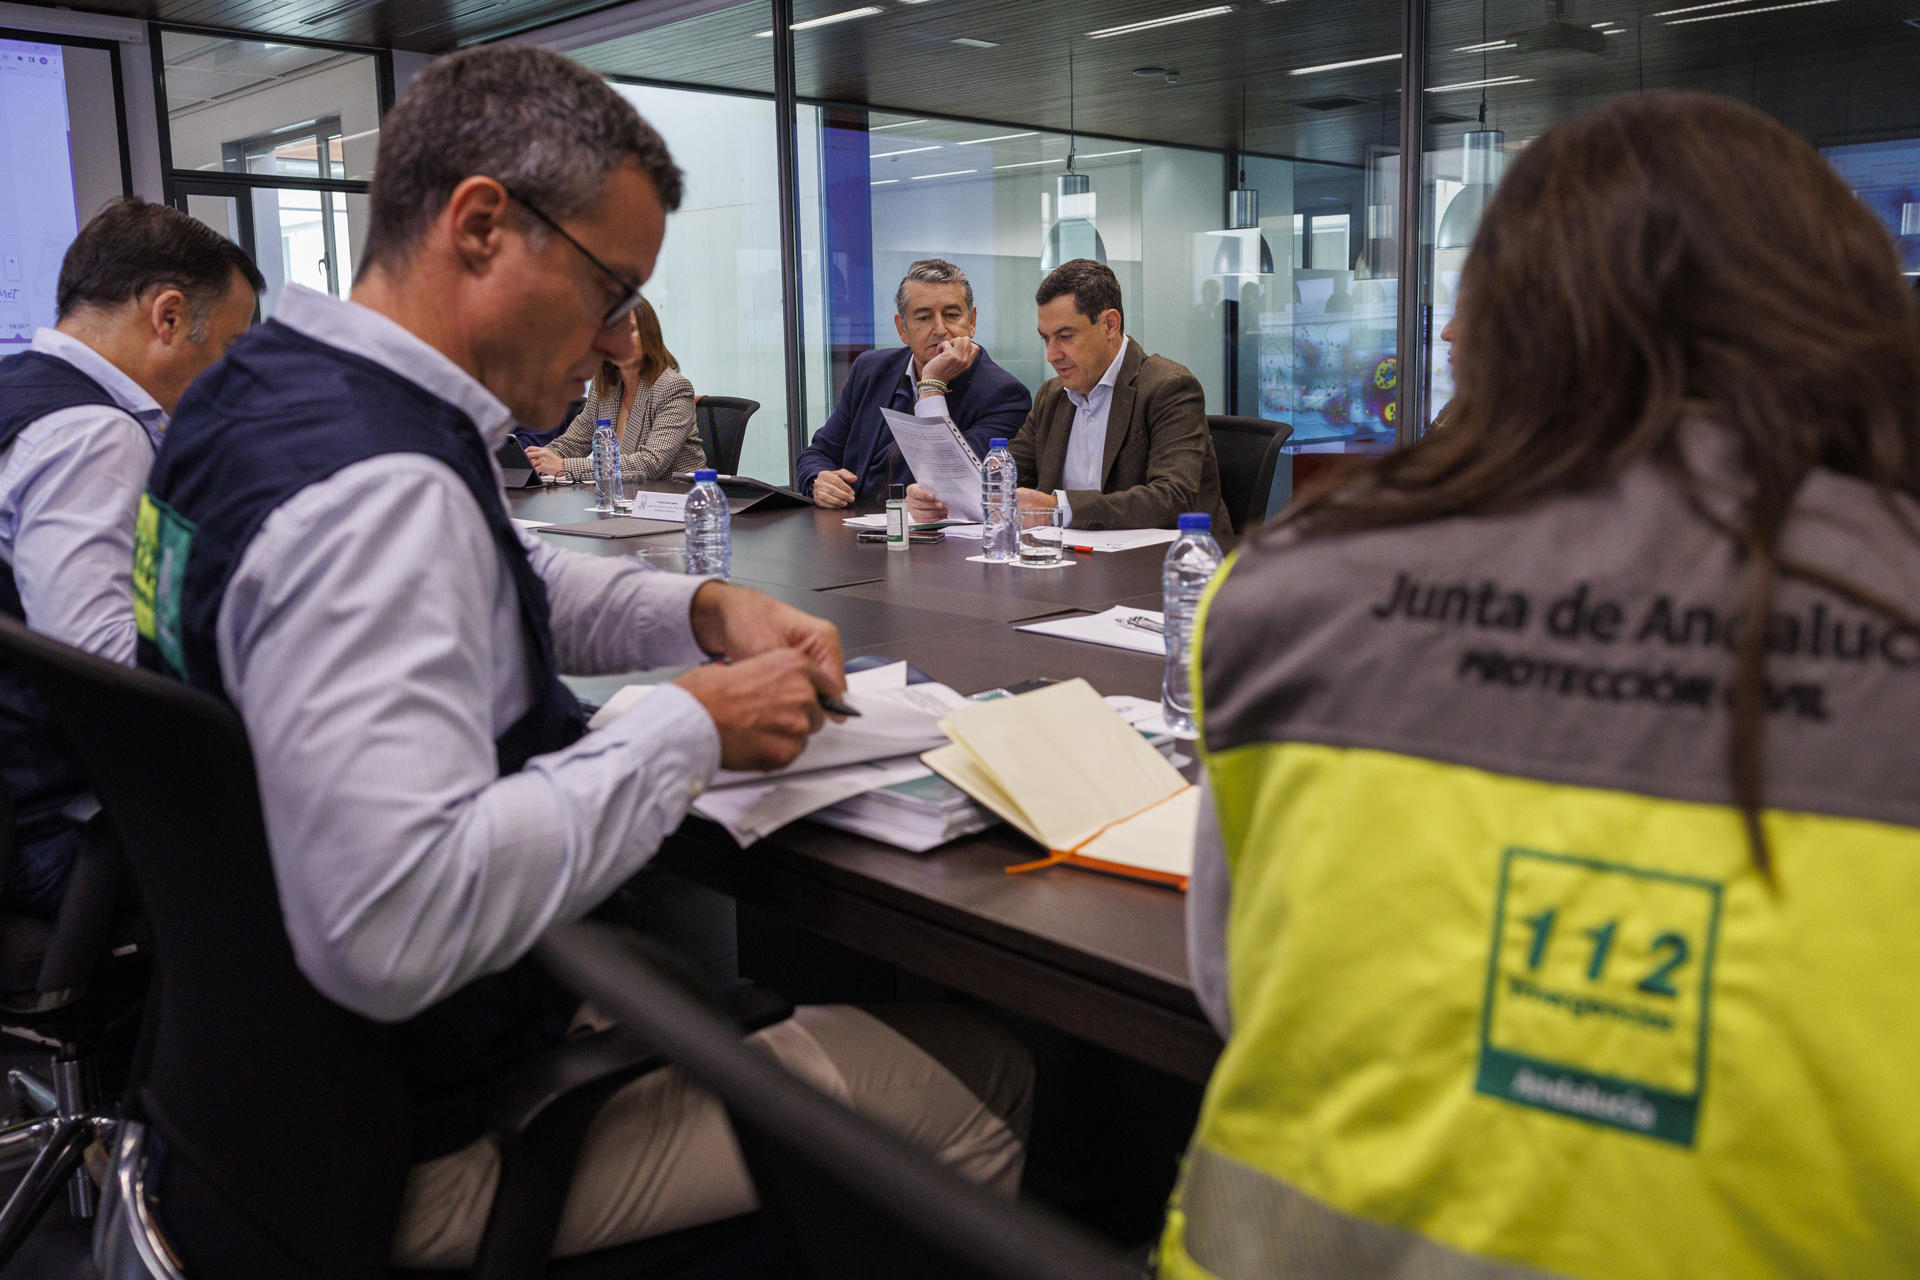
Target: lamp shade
<point x="1481" y="164"/>
<point x="1243" y="250"/>
<point x="1073" y="234"/>
<point x="1909" y="240"/>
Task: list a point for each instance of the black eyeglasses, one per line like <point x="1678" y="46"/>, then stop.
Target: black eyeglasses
<point x="619" y="310"/>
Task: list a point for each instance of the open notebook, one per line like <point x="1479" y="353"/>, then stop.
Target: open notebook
<point x="1063" y="767"/>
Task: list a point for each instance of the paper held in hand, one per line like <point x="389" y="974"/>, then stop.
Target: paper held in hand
<point x="1063" y="767"/>
<point x="941" y="460"/>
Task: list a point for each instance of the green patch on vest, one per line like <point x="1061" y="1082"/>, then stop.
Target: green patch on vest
<point x="1597" y="1000"/>
<point x="162" y="541"/>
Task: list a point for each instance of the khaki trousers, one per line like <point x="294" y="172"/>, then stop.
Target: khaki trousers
<point x="661" y="1156"/>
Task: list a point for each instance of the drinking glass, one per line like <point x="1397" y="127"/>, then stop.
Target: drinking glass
<point x="1042" y="534"/>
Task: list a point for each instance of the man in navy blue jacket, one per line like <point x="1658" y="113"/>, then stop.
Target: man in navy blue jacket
<point x="940" y="371"/>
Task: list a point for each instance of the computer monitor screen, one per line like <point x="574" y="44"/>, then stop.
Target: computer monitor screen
<point x="60" y="161"/>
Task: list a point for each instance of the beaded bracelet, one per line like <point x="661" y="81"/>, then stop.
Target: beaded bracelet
<point x="930" y="384"/>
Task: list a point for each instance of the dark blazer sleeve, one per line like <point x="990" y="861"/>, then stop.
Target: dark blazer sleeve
<point x="1026" y="443"/>
<point x="996" y="405"/>
<point x="1173" y="409"/>
<point x="830" y="441"/>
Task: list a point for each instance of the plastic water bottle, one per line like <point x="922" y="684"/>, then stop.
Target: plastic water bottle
<point x="1191" y="562"/>
<point x="709" y="527"/>
<point x="607" y="490"/>
<point x="999" y="481"/>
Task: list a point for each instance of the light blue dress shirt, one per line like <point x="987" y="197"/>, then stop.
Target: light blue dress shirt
<point x="1087" y="445"/>
<point x="371" y="638"/>
<point x="69" y="486"/>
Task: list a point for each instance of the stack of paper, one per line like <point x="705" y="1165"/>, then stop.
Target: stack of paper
<point x="1117" y="539"/>
<point x="1063" y="767"/>
<point x="940" y="459"/>
<point x="916" y="813"/>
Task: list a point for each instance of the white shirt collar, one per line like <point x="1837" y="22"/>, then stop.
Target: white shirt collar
<point x="1108" y="380"/>
<point x="364" y="332"/>
<point x="126" y="393"/>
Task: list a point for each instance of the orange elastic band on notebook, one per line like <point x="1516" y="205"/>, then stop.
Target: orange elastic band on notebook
<point x="1074" y="857"/>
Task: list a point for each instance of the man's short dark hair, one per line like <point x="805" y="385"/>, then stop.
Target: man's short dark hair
<point x="132" y="248"/>
<point x="546" y="127"/>
<point x="1094" y="287"/>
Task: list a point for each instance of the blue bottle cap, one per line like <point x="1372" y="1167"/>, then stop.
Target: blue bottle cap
<point x="998" y="442"/>
<point x="605" y="422"/>
<point x="703" y="475"/>
<point x="1193" y="520"/>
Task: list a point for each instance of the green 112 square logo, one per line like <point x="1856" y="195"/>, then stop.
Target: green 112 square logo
<point x="1598" y="983"/>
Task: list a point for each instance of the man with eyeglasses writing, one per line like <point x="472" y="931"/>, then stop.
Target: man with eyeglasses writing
<point x="433" y="801"/>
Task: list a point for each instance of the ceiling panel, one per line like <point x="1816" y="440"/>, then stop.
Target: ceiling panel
<point x="1835" y="70"/>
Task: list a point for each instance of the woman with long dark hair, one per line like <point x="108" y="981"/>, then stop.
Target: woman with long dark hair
<point x="652" y="403"/>
<point x="1557" y="879"/>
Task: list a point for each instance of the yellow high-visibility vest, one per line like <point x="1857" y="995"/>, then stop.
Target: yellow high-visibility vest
<point x="1509" y="995"/>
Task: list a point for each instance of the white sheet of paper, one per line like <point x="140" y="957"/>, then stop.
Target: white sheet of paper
<point x="624" y="698"/>
<point x="752" y="811"/>
<point x="531" y="524"/>
<point x="892" y="722"/>
<point x="1115" y="539"/>
<point x="940" y="460"/>
<point x="1064" y="562"/>
<point x="891" y="676"/>
<point x="1107" y="628"/>
<point x="649" y="505"/>
<point x="970" y="531"/>
<point x="878" y="520"/>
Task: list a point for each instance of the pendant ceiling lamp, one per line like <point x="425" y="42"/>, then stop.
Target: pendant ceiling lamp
<point x="1481" y="163"/>
<point x="1243" y="250"/>
<point x="1072" y="234"/>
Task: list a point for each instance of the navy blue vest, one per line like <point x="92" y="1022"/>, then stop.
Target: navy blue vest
<point x="279" y="413"/>
<point x="35" y="763"/>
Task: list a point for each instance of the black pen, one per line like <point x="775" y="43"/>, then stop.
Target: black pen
<point x="836" y="707"/>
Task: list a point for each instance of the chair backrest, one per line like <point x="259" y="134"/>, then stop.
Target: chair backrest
<point x="1249" y="453"/>
<point x="282" y="1115"/>
<point x="723" y="429"/>
<point x="866" y="1203"/>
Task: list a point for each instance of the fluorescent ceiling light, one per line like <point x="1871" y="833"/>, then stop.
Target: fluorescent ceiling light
<point x="845" y="15"/>
<point x="1193" y="15"/>
<point x="1028" y="164"/>
<point x="1096" y="155"/>
<point x="1480" y="84"/>
<point x="1486" y="47"/>
<point x="884" y="182"/>
<point x="1000" y="137"/>
<point x="1616" y="31"/>
<point x="951" y="173"/>
<point x="897" y="124"/>
<point x="969" y="41"/>
<point x="908" y="151"/>
<point x="1342" y="66"/>
<point x="1696" y="8"/>
<point x="1742" y="13"/>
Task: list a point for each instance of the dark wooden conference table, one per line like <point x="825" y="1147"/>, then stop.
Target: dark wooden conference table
<point x="1091" y="955"/>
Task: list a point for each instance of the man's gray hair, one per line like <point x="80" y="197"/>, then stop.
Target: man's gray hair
<point x="549" y="129"/>
<point x="930" y="271"/>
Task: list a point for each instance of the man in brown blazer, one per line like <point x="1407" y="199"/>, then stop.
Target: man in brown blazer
<point x="1119" y="437"/>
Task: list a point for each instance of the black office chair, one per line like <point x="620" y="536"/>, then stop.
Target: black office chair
<point x="1249" y="454"/>
<point x="74" y="983"/>
<point x="269" y="1124"/>
<point x="723" y="429"/>
<point x="856" y="1200"/>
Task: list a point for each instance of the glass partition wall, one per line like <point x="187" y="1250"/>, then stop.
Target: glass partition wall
<point x="1838" y="72"/>
<point x="1250" y="213"/>
<point x="272" y="144"/>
